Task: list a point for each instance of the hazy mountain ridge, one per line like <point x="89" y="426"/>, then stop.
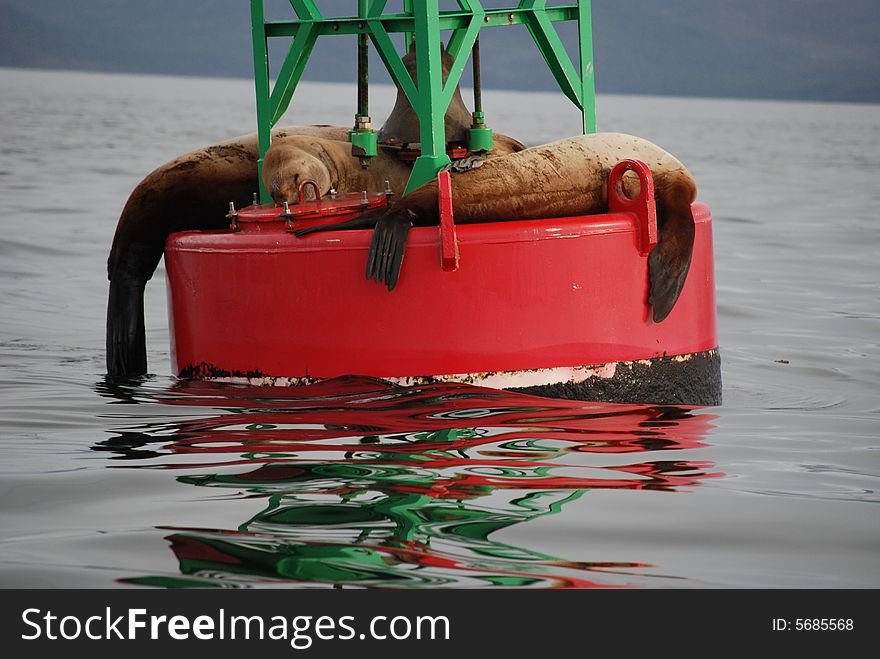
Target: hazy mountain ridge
<point x="800" y="49"/>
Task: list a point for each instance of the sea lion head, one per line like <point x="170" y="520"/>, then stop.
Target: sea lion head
<point x="402" y="125"/>
<point x="297" y="160"/>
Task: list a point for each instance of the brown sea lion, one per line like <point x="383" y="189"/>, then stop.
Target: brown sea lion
<point x="402" y="125"/>
<point x="193" y="192"/>
<point x="329" y="163"/>
<point x="567" y="177"/>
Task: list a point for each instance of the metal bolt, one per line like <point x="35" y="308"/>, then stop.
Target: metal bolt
<point x="256" y="199"/>
<point x="364" y="201"/>
<point x="287" y="214"/>
<point x="232" y="216"/>
<point x="388" y="191"/>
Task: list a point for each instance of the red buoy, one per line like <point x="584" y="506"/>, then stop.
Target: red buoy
<point x="553" y="306"/>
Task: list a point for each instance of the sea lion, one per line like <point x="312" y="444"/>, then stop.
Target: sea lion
<point x="402" y="125"/>
<point x="329" y="163"/>
<point x="193" y="192"/>
<point x="567" y="177"/>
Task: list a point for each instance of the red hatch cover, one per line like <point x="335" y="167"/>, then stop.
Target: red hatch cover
<point x="333" y="206"/>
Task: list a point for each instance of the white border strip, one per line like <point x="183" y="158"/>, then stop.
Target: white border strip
<point x="538" y="377"/>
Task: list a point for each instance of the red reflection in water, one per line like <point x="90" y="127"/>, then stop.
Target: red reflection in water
<point x="395" y="468"/>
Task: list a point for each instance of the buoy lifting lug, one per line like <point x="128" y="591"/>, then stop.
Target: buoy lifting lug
<point x="302" y="190"/>
<point x="642" y="207"/>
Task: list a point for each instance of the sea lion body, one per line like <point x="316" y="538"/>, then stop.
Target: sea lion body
<point x="563" y="178"/>
<point x="329" y="163"/>
<point x="402" y="125"/>
<point x="192" y="191"/>
<point x="296" y="158"/>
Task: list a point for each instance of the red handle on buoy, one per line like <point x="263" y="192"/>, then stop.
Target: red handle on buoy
<point x="643" y="206"/>
<point x="302" y="190"/>
<point x="448" y="240"/>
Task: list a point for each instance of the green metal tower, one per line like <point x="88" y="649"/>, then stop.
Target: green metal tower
<point x="423" y="21"/>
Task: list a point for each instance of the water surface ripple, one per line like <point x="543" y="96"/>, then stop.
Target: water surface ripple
<point x="354" y="483"/>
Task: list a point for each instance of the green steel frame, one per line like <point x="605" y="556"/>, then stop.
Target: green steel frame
<point x="423" y="21"/>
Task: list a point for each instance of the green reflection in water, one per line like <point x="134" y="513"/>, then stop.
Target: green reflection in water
<point x="414" y="509"/>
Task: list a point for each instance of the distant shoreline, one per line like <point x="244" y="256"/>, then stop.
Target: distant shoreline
<point x="465" y="87"/>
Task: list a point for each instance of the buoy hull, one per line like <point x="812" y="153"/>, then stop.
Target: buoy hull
<point x="528" y="301"/>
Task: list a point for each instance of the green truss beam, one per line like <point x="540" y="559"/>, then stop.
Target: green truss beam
<point x="424" y="21"/>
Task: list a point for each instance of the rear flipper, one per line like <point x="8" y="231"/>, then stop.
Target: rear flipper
<point x="667" y="270"/>
<point x="670" y="260"/>
<point x="126" y="337"/>
<point x="388" y="246"/>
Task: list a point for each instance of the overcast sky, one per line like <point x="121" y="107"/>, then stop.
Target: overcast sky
<point x="796" y="49"/>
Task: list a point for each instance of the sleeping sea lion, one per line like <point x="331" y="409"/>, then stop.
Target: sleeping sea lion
<point x="193" y="191"/>
<point x="329" y="163"/>
<point x="567" y="177"/>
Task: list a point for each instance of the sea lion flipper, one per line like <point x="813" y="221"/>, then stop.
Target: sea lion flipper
<point x="670" y="260"/>
<point x="365" y="221"/>
<point x="126" y="336"/>
<point x="384" y="246"/>
<point x="401" y="233"/>
<point x="371" y="256"/>
<point x="667" y="275"/>
<point x="387" y="248"/>
<point x="375" y="256"/>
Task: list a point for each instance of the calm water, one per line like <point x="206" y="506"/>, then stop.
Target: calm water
<point x="163" y="483"/>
